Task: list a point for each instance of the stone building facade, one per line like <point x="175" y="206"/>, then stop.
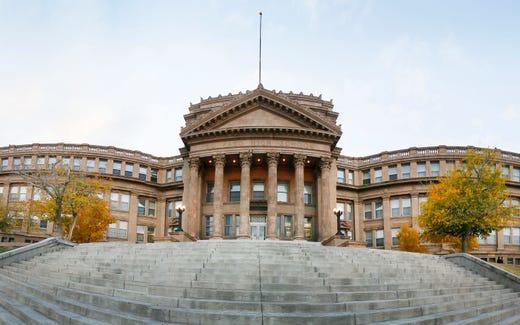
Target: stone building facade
<point x="258" y="165"/>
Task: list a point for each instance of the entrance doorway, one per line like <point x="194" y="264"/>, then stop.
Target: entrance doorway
<point x="258" y="227"/>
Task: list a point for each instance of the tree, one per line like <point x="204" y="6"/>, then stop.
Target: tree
<point x="467" y="203"/>
<point x="92" y="222"/>
<point x="6" y="221"/>
<point x="410" y="240"/>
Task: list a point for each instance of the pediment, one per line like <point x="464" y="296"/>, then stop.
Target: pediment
<point x="258" y="117"/>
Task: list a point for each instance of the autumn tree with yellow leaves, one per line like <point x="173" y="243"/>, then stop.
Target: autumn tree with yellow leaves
<point x="468" y="203"/>
<point x="410" y="240"/>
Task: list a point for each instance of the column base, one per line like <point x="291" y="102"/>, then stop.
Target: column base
<point x="181" y="237"/>
<point x="216" y="238"/>
<point x="244" y="237"/>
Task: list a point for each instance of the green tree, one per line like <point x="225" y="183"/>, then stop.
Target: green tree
<point x="6" y="221"/>
<point x="468" y="203"/>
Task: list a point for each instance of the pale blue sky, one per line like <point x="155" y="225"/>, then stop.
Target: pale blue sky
<point x="122" y="73"/>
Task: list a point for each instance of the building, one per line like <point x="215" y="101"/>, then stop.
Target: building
<point x="258" y="165"/>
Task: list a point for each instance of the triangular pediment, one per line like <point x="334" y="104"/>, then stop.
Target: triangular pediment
<point x="262" y="109"/>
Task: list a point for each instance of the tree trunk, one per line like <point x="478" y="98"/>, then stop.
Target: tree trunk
<point x="72" y="226"/>
<point x="57" y="221"/>
<point x="465" y="244"/>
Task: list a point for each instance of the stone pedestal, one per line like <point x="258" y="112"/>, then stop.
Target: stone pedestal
<point x="343" y="241"/>
<point x="181" y="236"/>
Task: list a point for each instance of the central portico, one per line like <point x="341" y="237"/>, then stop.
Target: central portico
<point x="260" y="165"/>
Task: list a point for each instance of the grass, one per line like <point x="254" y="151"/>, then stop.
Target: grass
<point x="5" y="249"/>
<point x="508" y="267"/>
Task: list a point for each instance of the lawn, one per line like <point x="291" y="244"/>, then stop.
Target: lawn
<point x="508" y="267"/>
<point x="5" y="249"/>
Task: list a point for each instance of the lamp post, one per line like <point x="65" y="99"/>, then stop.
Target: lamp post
<point x="180" y="209"/>
<point x="338" y="214"/>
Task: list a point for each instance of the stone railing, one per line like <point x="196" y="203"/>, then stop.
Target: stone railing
<point x="29" y="251"/>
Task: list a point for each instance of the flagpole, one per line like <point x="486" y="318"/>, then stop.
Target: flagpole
<point x="260" y="53"/>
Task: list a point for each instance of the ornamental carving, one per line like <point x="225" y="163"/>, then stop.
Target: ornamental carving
<point x="220" y="160"/>
<point x="299" y="160"/>
<point x="272" y="158"/>
<point x="194" y="162"/>
<point x="325" y="163"/>
<point x="245" y="158"/>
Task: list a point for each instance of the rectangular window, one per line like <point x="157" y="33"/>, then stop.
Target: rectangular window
<point x="18" y="193"/>
<point x="366" y="177"/>
<point x="169" y="175"/>
<point x="37" y="194"/>
<point x="435" y="168"/>
<point x="407" y="205"/>
<point x="405" y="170"/>
<point x="5" y="164"/>
<point x="141" y="206"/>
<point x="27" y="162"/>
<point x="392" y="172"/>
<point x="395" y="241"/>
<point x="151" y="208"/>
<point x="77" y="164"/>
<point x="380" y="238"/>
<point x="140" y="231"/>
<point x="169" y="209"/>
<point x="210" y="191"/>
<point x="209" y="226"/>
<point x="129" y="170"/>
<point x="308" y="228"/>
<point x="394" y="205"/>
<point x="422" y="199"/>
<point x="421" y="169"/>
<point x="65" y="162"/>
<point x="102" y="168"/>
<point x="307" y="194"/>
<point x="43" y="224"/>
<point x="1" y="191"/>
<point x="489" y="240"/>
<point x="450" y="165"/>
<point x="368" y="210"/>
<point x="153" y="175"/>
<point x="368" y="238"/>
<point x="505" y="171"/>
<point x="516" y="174"/>
<point x="258" y="190"/>
<point x="379" y="209"/>
<point x="284" y="226"/>
<point x="52" y="162"/>
<point x="91" y="164"/>
<point x="341" y="175"/>
<point x="283" y="192"/>
<point x="231" y="225"/>
<point x="507" y="235"/>
<point x="143" y="170"/>
<point x="116" y="168"/>
<point x="341" y="206"/>
<point x="351" y="177"/>
<point x="515" y="203"/>
<point x="119" y="201"/>
<point x="515" y="236"/>
<point x="234" y="191"/>
<point x="349" y="212"/>
<point x="16" y="163"/>
<point x="178" y="174"/>
<point x="378" y="175"/>
<point x="40" y="162"/>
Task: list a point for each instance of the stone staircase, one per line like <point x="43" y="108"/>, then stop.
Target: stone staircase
<point x="247" y="282"/>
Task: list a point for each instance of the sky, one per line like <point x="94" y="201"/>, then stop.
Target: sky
<point x="122" y="73"/>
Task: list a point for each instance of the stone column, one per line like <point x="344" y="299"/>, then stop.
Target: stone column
<point x="358" y="221"/>
<point x="326" y="220"/>
<point x="272" y="197"/>
<point x="161" y="225"/>
<point x="245" y="194"/>
<point x="218" y="202"/>
<point x="132" y="219"/>
<point x="299" y="205"/>
<point x="387" y="222"/>
<point x="190" y="218"/>
<point x="415" y="209"/>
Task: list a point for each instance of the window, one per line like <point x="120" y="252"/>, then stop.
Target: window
<point x="394" y="204"/>
<point x="368" y="210"/>
<point x="37" y="194"/>
<point x="52" y="162"/>
<point x="77" y="164"/>
<point x="341" y="206"/>
<point x="516" y="174"/>
<point x="231" y="225"/>
<point x="153" y="176"/>
<point x="378" y="175"/>
<point x="421" y="169"/>
<point x="515" y="236"/>
<point x="129" y="170"/>
<point x="366" y="177"/>
<point x="150" y="236"/>
<point x="505" y="171"/>
<point x="450" y="165"/>
<point x="407" y="205"/>
<point x="422" y="199"/>
<point x="349" y="206"/>
<point x="341" y="175"/>
<point x="40" y="162"/>
<point x="234" y="191"/>
<point x="351" y="177"/>
<point x="283" y="192"/>
<point x="258" y="190"/>
<point x="178" y="174"/>
<point x="18" y="193"/>
<point x="116" y="168"/>
<point x="5" y="164"/>
<point x="435" y="168"/>
<point x="1" y="191"/>
<point x="91" y="164"/>
<point x="379" y="209"/>
<point x="140" y="230"/>
<point x="392" y="172"/>
<point x="143" y="170"/>
<point x="515" y="202"/>
<point x="141" y="206"/>
<point x="146" y="207"/>
<point x="307" y="194"/>
<point x="16" y="163"/>
<point x="380" y="238"/>
<point x="210" y="191"/>
<point x="169" y="175"/>
<point x="43" y="224"/>
<point x="102" y="168"/>
<point x="284" y="226"/>
<point x="395" y="240"/>
<point x="169" y="208"/>
<point x="308" y="228"/>
<point x="405" y="170"/>
<point x="489" y="240"/>
<point x="368" y="238"/>
<point x="209" y="226"/>
<point x="151" y="208"/>
<point x="27" y="163"/>
<point x="119" y="201"/>
<point x="507" y="235"/>
<point x="65" y="162"/>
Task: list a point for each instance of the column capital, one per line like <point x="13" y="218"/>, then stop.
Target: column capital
<point x="245" y="158"/>
<point x="220" y="160"/>
<point x="325" y="163"/>
<point x="194" y="162"/>
<point x="299" y="160"/>
<point x="272" y="158"/>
